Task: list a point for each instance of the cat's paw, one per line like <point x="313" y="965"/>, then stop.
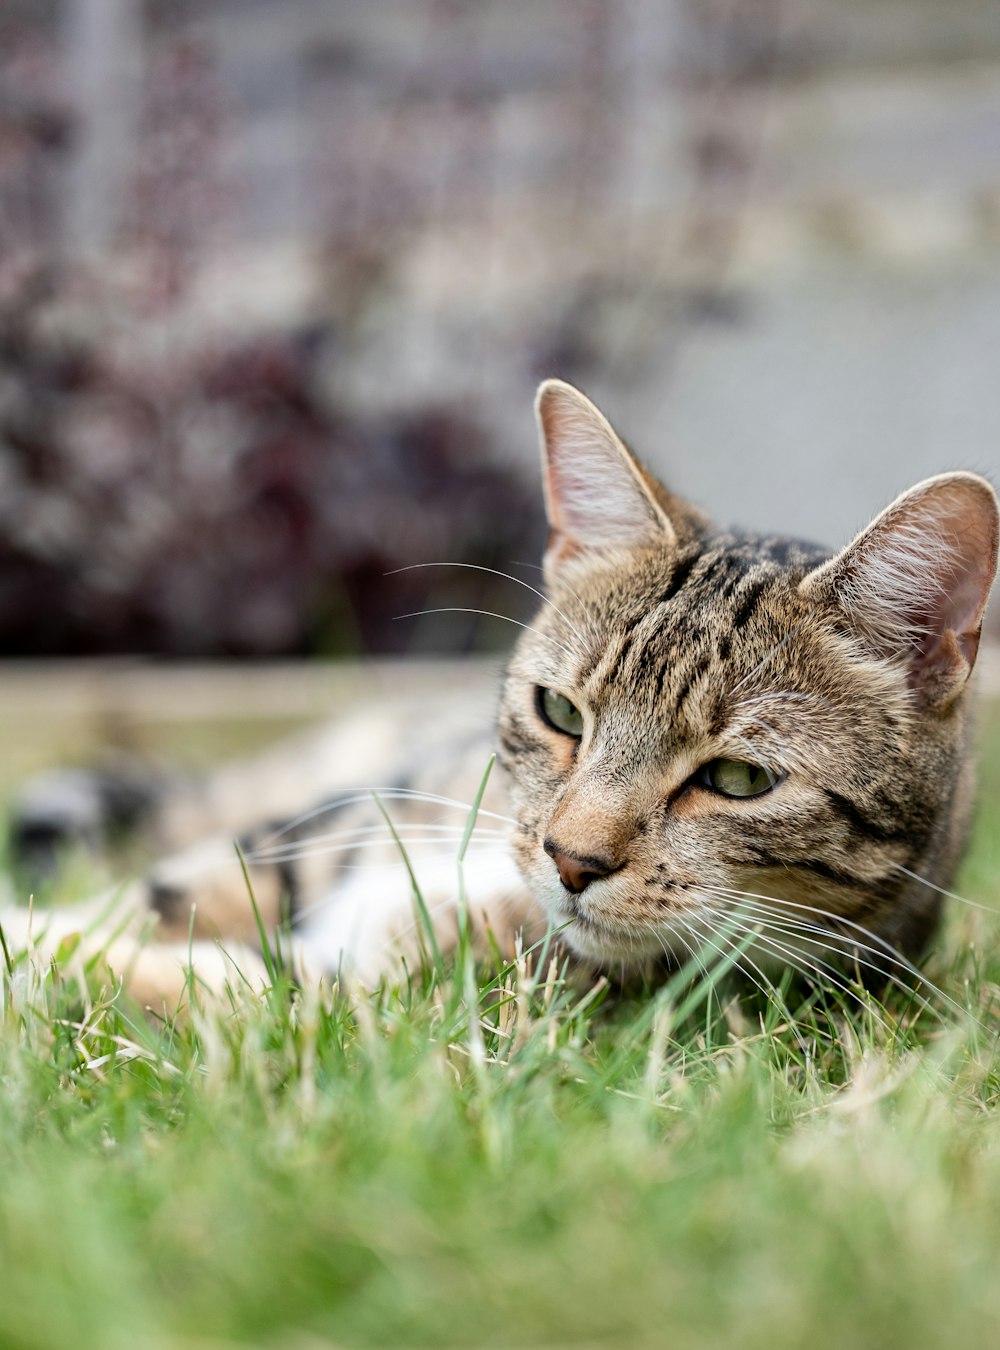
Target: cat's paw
<point x="164" y="978"/>
<point x="205" y="891"/>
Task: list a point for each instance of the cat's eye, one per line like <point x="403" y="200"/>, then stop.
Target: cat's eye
<point x="737" y="778"/>
<point x="557" y="710"/>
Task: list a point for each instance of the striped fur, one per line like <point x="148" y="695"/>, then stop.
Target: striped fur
<point x="845" y="677"/>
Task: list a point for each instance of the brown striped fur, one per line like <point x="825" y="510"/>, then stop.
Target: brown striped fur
<point x="845" y="676"/>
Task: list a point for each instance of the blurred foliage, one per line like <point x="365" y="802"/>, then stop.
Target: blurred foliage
<point x="167" y="487"/>
<point x="277" y="278"/>
<point x="212" y="501"/>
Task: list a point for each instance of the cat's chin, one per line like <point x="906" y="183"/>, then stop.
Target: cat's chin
<point x="603" y="945"/>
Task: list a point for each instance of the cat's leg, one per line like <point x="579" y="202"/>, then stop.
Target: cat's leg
<point x="374" y="925"/>
<point x="86" y="808"/>
<point x="333" y="872"/>
<point x="337" y="874"/>
<point x="366" y="923"/>
<point x="361" y="920"/>
<point x="165" y="976"/>
<point x="193" y="918"/>
<point x="117" y="937"/>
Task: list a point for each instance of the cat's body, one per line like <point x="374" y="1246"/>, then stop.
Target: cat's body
<point x="704" y="739"/>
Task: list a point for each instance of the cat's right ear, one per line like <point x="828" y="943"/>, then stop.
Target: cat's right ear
<point x="597" y="495"/>
<point x="914" y="584"/>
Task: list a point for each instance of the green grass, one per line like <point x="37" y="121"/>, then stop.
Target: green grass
<point x="499" y="1162"/>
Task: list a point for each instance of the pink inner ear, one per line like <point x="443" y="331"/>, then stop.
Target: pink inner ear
<point x="594" y="491"/>
<point x="917" y="580"/>
<point x="965" y="527"/>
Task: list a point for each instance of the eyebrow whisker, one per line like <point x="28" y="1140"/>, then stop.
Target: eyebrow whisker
<point x="496" y="572"/>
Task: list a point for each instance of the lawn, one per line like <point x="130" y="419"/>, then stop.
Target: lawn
<point x="494" y="1159"/>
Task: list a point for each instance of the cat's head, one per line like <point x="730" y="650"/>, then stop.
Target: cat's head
<point x="705" y="731"/>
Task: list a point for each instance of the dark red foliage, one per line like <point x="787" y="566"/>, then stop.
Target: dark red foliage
<point x="217" y="505"/>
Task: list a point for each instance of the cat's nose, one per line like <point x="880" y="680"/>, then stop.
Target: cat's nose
<point x="576" y="874"/>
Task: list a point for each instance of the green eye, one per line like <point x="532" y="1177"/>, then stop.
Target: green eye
<point x="736" y="778"/>
<point x="557" y="710"/>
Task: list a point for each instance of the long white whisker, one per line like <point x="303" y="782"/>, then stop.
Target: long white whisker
<point x="488" y="614"/>
<point x="807" y="963"/>
<point x="304" y="912"/>
<point x="456" y="832"/>
<point x="791" y="921"/>
<point x="791" y="956"/>
<point x="381" y="865"/>
<point x="950" y="895"/>
<point x="293" y="854"/>
<point x="763" y="984"/>
<point x="882" y="949"/>
<point x="760" y="927"/>
<point x="692" y="951"/>
<point x="821" y="937"/>
<point x="537" y="567"/>
<point x="769" y="657"/>
<point x="493" y="571"/>
<point x="350" y="796"/>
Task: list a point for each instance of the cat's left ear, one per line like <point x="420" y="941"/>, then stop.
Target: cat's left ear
<point x="597" y="494"/>
<point x="914" y="584"/>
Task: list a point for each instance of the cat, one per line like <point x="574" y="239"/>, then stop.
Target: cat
<point x="707" y="743"/>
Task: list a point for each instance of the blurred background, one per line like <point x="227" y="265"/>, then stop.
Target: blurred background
<point x="278" y="279"/>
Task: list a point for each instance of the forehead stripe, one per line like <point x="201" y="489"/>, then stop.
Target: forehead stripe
<point x="748" y="604"/>
<point x="681" y="572"/>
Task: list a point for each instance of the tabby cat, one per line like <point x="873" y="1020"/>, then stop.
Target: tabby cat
<point x="705" y="740"/>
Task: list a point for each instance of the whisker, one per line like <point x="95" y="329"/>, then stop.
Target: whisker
<point x="379" y="866"/>
<point x="882" y="949"/>
<point x="791" y="957"/>
<point x="296" y="854"/>
<point x="305" y="911"/>
<point x="763" y="984"/>
<point x="747" y="899"/>
<point x="350" y="796"/>
<point x="820" y="937"/>
<point x="537" y="567"/>
<point x="456" y="832"/>
<point x="801" y="965"/>
<point x="950" y="895"/>
<point x="496" y="572"/>
<point x="763" y="926"/>
<point x="692" y="951"/>
<point x="769" y="657"/>
<point x="697" y="946"/>
<point x="823" y="970"/>
<point x="488" y="614"/>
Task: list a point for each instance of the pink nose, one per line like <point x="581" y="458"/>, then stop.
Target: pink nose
<point x="576" y="874"/>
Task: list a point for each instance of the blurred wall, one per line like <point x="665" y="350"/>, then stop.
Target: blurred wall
<point x="277" y="280"/>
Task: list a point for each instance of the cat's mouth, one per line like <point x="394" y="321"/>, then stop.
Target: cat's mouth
<point x="599" y="938"/>
<point x="570" y="912"/>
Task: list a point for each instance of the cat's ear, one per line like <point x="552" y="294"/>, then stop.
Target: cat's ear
<point x="914" y="584"/>
<point x="597" y="495"/>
